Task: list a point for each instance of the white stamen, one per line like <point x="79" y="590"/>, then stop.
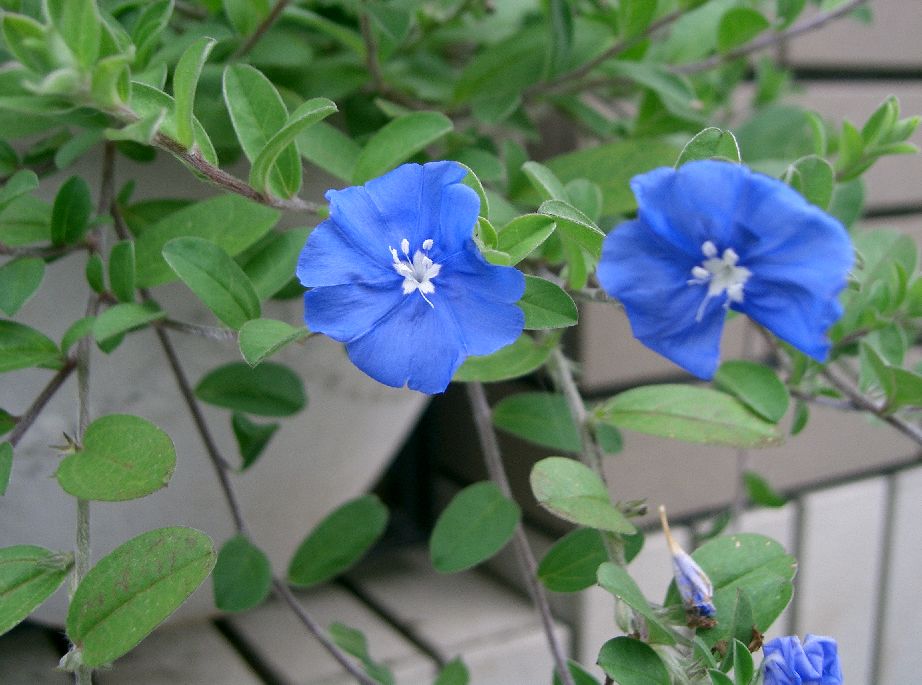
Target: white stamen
<point x="417" y="274"/>
<point x="720" y="274"/>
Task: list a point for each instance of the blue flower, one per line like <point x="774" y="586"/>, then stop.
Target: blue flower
<point x="816" y="662"/>
<point x="395" y="274"/>
<point x="711" y="236"/>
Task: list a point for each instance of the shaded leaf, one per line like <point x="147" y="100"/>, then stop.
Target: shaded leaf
<point x="28" y="576"/>
<point x="242" y="576"/>
<point x="397" y="141"/>
<point x="270" y="389"/>
<point x="252" y="438"/>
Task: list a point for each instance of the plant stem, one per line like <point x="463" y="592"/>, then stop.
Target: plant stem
<point x="769" y="39"/>
<point x="371" y="51"/>
<point x="266" y="24"/>
<point x="493" y="458"/>
<point x="24" y="422"/>
<point x="210" y="332"/>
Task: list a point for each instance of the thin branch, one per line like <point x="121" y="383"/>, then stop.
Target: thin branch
<point x="371" y="52"/>
<point x="480" y="409"/>
<point x="41" y="252"/>
<point x="24" y="422"/>
<point x="209" y="332"/>
<point x="266" y="24"/>
<point x="228" y="181"/>
<point x="860" y="400"/>
<point x="617" y="49"/>
<point x="769" y="39"/>
<point x="591" y="454"/>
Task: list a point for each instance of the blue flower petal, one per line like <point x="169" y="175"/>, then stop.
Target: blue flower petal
<point x="650" y="278"/>
<point x="345" y="312"/>
<point x="415" y="345"/>
<point x="330" y="257"/>
<point x="480" y="298"/>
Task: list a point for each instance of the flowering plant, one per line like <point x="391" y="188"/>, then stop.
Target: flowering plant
<point x="456" y="247"/>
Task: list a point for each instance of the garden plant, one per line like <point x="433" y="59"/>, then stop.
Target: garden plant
<point x="455" y="246"/>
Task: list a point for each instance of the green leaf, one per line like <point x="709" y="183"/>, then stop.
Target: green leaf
<point x="121" y="270"/>
<point x="185" y="81"/>
<point x="632" y="662"/>
<point x="28" y="576"/>
<point x="353" y="642"/>
<point x="27" y="41"/>
<point x="261" y="338"/>
<point x="813" y="178"/>
<point x="539" y="417"/>
<point x="19" y="279"/>
<point x="22" y="347"/>
<point x="573" y="492"/>
<point x="330" y="149"/>
<point x="738" y="26"/>
<point x="79" y="25"/>
<point x="476" y="524"/>
<point x="70" y="215"/>
<point x="147" y="29"/>
<point x="123" y="318"/>
<point x="719" y="677"/>
<point x="787" y="12"/>
<point x="246" y="15"/>
<point x="134" y="588"/>
<point x="692" y="414"/>
<point x="575" y="225"/>
<point x="518" y="359"/>
<point x="547" y="305"/>
<point x="148" y="102"/>
<point x="6" y="461"/>
<point x="252" y="438"/>
<point x="122" y="457"/>
<point x="756" y="386"/>
<point x="283" y="140"/>
<point x="543" y="180"/>
<point x="674" y="90"/>
<point x="572" y="563"/>
<point x="743" y="668"/>
<point x="229" y="221"/>
<point x="270" y="263"/>
<point x="96" y="273"/>
<point x="20" y="183"/>
<point x="755" y="564"/>
<point x="397" y="141"/>
<point x="521" y="236"/>
<point x="270" y="389"/>
<point x="634" y="16"/>
<point x="453" y="673"/>
<point x="616" y="580"/>
<point x="710" y="143"/>
<point x="580" y="676"/>
<point x="78" y="329"/>
<point x="111" y="87"/>
<point x="242" y="576"/>
<point x="258" y="114"/>
<point x="215" y="278"/>
<point x="760" y="492"/>
<point x="907" y="389"/>
<point x="338" y="541"/>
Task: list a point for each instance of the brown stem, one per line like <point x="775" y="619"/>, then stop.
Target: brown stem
<point x="24" y="422"/>
<point x="41" y="252"/>
<point x="769" y="39"/>
<point x="480" y="409"/>
<point x="266" y="24"/>
<point x="371" y="52"/>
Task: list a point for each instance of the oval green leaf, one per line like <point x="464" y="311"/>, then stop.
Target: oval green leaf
<point x="242" y="576"/>
<point x="547" y="305"/>
<point x="122" y="457"/>
<point x="539" y="417"/>
<point x="19" y="279"/>
<point x="339" y="541"/>
<point x="122" y="318"/>
<point x="575" y="225"/>
<point x="252" y="438"/>
<point x="134" y="588"/>
<point x="270" y="389"/>
<point x="631" y="662"/>
<point x="397" y="141"/>
<point x="739" y="25"/>
<point x="122" y="270"/>
<point x="756" y="386"/>
<point x="215" y="278"/>
<point x="28" y="576"/>
<point x="521" y="236"/>
<point x="185" y="81"/>
<point x="6" y="453"/>
<point x="692" y="414"/>
<point x="572" y="563"/>
<point x="22" y="347"/>
<point x="518" y="359"/>
<point x="572" y="491"/>
<point x="261" y="338"/>
<point x="710" y="143"/>
<point x="617" y="581"/>
<point x="70" y="214"/>
<point x="476" y="524"/>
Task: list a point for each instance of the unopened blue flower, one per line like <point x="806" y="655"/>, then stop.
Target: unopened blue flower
<point x="395" y="274"/>
<point x="816" y="662"/>
<point x="714" y="235"/>
<point x="693" y="584"/>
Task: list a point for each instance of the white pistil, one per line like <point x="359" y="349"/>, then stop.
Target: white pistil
<point x="418" y="273"/>
<point x="720" y="274"/>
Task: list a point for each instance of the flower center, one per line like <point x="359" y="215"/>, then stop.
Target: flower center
<point x="418" y="272"/>
<point x="721" y="274"/>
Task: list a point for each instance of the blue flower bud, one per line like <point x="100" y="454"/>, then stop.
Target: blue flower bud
<point x="694" y="586"/>
<point x="816" y="662"/>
